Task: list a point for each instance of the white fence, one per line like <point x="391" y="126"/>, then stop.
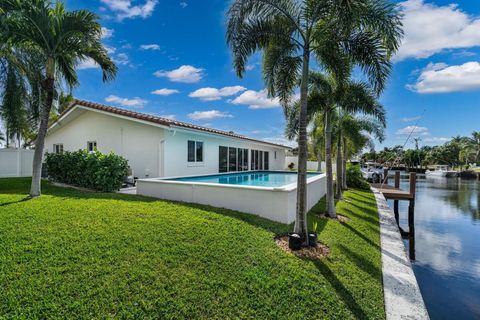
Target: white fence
<point x="16" y="163"/>
<point x="311" y="165"/>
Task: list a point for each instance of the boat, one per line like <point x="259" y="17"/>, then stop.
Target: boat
<point x="372" y="172"/>
<point x="441" y="171"/>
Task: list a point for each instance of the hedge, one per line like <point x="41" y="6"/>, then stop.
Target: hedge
<point x="355" y="178"/>
<point x="92" y="170"/>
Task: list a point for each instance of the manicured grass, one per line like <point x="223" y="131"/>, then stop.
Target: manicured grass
<point x="71" y="254"/>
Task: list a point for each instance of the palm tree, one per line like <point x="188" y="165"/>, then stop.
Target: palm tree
<point x="473" y="145"/>
<point x="62" y="39"/>
<point x="358" y="97"/>
<point x="327" y="97"/>
<point x="288" y="32"/>
<point x="13" y="107"/>
<point x="357" y="133"/>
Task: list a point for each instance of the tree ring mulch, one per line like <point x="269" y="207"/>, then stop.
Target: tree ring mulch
<point x="312" y="253"/>
<point x="339" y="217"/>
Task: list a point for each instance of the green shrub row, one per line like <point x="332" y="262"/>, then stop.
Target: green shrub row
<point x="92" y="170"/>
<point x="355" y="178"/>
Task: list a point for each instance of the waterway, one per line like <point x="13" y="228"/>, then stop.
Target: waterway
<point x="447" y="243"/>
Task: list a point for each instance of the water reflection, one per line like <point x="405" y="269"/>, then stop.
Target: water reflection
<point x="447" y="234"/>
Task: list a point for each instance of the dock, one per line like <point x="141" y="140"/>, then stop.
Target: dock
<point x="396" y="194"/>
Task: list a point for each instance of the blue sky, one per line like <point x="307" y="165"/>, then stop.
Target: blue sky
<point x="173" y="61"/>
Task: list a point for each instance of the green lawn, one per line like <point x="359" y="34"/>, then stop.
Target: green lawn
<point x="71" y="254"/>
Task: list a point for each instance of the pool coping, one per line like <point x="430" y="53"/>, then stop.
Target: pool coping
<point x="403" y="299"/>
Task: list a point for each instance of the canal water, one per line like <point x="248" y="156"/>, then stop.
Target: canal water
<point x="447" y="242"/>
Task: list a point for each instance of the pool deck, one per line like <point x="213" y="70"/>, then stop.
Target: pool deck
<point x="403" y="299"/>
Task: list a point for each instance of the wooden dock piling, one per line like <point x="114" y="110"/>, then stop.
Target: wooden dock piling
<point x="396" y="194"/>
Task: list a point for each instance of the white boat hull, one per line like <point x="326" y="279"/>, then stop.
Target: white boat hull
<point x="441" y="174"/>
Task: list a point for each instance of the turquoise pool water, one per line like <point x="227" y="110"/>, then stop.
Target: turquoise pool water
<point x="270" y="179"/>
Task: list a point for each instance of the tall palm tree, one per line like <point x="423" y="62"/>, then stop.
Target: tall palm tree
<point x="288" y="32"/>
<point x="63" y="39"/>
<point x="327" y="97"/>
<point x="357" y="97"/>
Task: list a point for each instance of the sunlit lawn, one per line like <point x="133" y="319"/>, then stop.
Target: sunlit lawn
<point x="71" y="254"/>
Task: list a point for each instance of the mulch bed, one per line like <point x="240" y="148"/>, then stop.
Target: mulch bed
<point x="312" y="253"/>
<point x="339" y="218"/>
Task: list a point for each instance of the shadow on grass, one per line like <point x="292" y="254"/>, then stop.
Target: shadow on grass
<point x="360" y="235"/>
<point x="15" y="202"/>
<point x="368" y="219"/>
<point x="341" y="291"/>
<point x="362" y="263"/>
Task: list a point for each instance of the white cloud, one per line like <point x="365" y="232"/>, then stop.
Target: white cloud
<point x="183" y="5"/>
<point x="209" y="115"/>
<point x="211" y="94"/>
<point x="124" y="9"/>
<point x="436" y="140"/>
<point x="107" y="33"/>
<point x="282" y="141"/>
<point x="256" y="100"/>
<point x="121" y="59"/>
<point x="87" y="64"/>
<point x="430" y="29"/>
<point x="132" y="103"/>
<point x="411" y="119"/>
<point x="168" y="116"/>
<point x="440" y="78"/>
<point x="165" y="92"/>
<point x="249" y="67"/>
<point x="150" y="46"/>
<point x="110" y="50"/>
<point x="185" y="74"/>
<point x="413" y="129"/>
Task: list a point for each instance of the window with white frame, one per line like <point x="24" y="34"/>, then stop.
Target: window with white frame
<point x="58" y="148"/>
<point x="91" y="146"/>
<point x="195" y="151"/>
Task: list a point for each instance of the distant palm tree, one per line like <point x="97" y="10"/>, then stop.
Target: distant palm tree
<point x="473" y="145"/>
<point x="63" y="39"/>
<point x="356" y="133"/>
<point x="288" y="32"/>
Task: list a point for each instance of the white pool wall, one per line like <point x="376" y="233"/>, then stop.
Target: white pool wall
<point x="277" y="204"/>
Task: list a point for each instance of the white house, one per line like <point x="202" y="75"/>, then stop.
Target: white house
<point x="159" y="147"/>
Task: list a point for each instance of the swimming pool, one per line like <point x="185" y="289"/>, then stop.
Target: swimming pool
<point x="269" y="194"/>
<point x="251" y="178"/>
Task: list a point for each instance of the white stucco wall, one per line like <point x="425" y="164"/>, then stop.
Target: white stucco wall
<point x="137" y="142"/>
<point x="152" y="151"/>
<point x="176" y="149"/>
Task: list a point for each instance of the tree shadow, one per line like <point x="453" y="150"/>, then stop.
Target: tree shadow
<point x="360" y="235"/>
<point x="341" y="290"/>
<point x="15" y="202"/>
<point x="368" y="219"/>
<point x="362" y="263"/>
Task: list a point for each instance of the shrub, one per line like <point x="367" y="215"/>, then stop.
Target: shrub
<point x="355" y="178"/>
<point x="92" y="170"/>
<point x="291" y="166"/>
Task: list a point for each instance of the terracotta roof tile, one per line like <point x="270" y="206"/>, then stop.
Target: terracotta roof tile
<point x="159" y="120"/>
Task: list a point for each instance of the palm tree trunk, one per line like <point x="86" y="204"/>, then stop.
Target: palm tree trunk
<point x="8" y="138"/>
<point x="328" y="159"/>
<point x="301" y="214"/>
<point x="344" y="165"/>
<point x="339" y="167"/>
<point x="35" y="189"/>
<point x="319" y="158"/>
